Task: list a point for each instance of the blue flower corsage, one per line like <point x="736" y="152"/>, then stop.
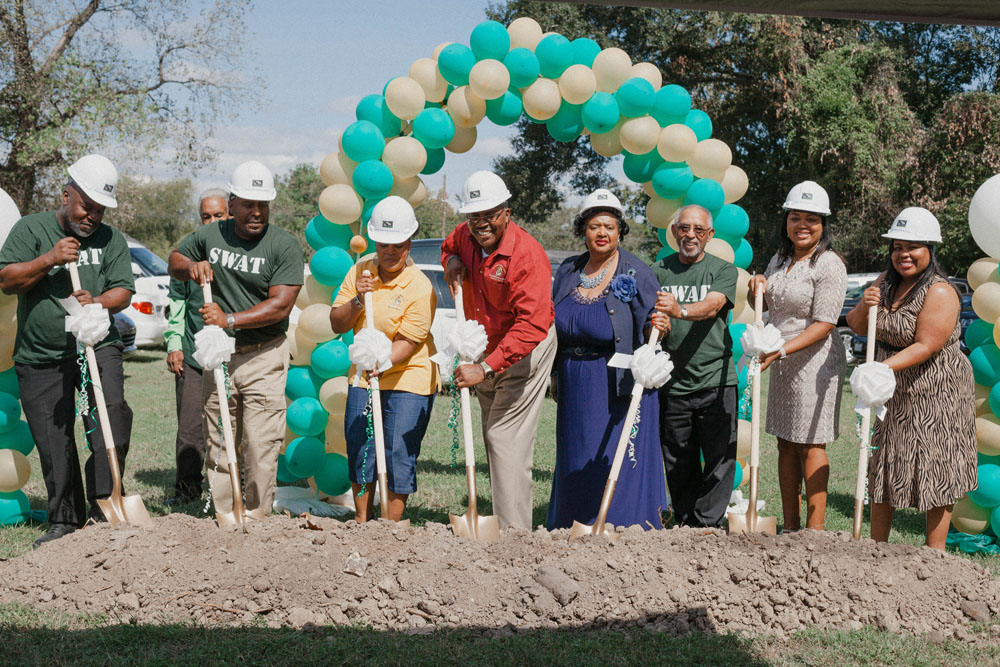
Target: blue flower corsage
<point x="624" y="286"/>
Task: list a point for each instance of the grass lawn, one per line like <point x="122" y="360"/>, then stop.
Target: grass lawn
<point x="55" y="638"/>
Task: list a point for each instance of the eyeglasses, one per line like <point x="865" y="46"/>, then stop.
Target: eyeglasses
<point x="700" y="232"/>
<point x="486" y="216"/>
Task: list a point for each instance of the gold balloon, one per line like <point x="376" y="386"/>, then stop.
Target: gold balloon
<point x="463" y="141"/>
<point x="405" y="157"/>
<point x="577" y="84"/>
<point x="412" y="190"/>
<point x="986" y="301"/>
<point x="336" y="441"/>
<point x="425" y="72"/>
<point x="542" y="99"/>
<point x="982" y="271"/>
<point x="608" y="144"/>
<point x="988" y="434"/>
<point x="612" y="67"/>
<point x="336" y="168"/>
<point x="996" y="332"/>
<point x="647" y="187"/>
<point x="745" y="469"/>
<point x="303" y="347"/>
<point x="658" y="214"/>
<point x="465" y="107"/>
<point x="742" y="285"/>
<point x="489" y="79"/>
<point x="358" y="244"/>
<point x="968" y="517"/>
<point x="313" y="292"/>
<point x="676" y="143"/>
<point x="745" y="316"/>
<point x="314" y="323"/>
<point x="735" y="183"/>
<point x="438" y="49"/>
<point x="639" y="135"/>
<point x="7" y="351"/>
<point x="649" y="72"/>
<point x="720" y="249"/>
<point x="339" y="203"/>
<point x="333" y="395"/>
<point x="404" y="97"/>
<point x="711" y="159"/>
<point x="524" y="33"/>
<point x="742" y="439"/>
<point x="14" y="470"/>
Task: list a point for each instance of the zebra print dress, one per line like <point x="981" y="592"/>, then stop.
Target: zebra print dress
<point x="925" y="448"/>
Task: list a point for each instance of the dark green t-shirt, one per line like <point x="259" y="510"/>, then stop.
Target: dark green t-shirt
<point x="104" y="264"/>
<point x="702" y="351"/>
<point x="190" y="293"/>
<point x="245" y="270"/>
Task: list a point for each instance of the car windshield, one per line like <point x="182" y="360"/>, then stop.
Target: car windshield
<point x="148" y="261"/>
<point x="444" y="298"/>
<point x="856" y="292"/>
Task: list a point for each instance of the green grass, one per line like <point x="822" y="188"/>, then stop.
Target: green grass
<point x="36" y="636"/>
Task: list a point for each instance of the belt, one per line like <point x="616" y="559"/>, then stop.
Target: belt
<point x="882" y="345"/>
<point x="257" y="347"/>
<point x="583" y="352"/>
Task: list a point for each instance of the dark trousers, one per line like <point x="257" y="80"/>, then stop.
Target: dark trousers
<point x="48" y="394"/>
<point x="190" y="443"/>
<point x="693" y="425"/>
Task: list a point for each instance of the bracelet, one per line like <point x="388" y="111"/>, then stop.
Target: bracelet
<point x="781" y="350"/>
<point x="359" y="302"/>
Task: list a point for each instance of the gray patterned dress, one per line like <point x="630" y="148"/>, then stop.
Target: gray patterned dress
<point x="803" y="401"/>
<point x="925" y="448"/>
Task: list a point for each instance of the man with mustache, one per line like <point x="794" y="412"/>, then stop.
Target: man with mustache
<point x="33" y="266"/>
<point x="508" y="289"/>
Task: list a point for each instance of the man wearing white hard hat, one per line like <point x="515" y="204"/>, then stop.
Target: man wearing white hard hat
<point x="508" y="289"/>
<point x="401" y="344"/>
<point x="32" y="265"/>
<point x="256" y="272"/>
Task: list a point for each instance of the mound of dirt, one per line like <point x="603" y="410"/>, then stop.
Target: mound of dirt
<point x="384" y="576"/>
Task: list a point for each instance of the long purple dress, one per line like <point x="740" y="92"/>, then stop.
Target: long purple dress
<point x="589" y="423"/>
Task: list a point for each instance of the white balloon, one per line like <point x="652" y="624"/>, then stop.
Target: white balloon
<point x="649" y="72"/>
<point x="984" y="217"/>
<point x="524" y="33"/>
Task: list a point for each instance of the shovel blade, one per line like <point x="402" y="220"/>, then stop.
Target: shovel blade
<point x="113" y="514"/>
<point x="475" y="527"/>
<point x="135" y="511"/>
<point x="752" y="523"/>
<point x="581" y="529"/>
<point x="229" y="519"/>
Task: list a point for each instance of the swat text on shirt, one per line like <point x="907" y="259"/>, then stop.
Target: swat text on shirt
<point x="231" y="260"/>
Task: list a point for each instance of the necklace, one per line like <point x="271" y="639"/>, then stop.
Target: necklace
<point x="590" y="283"/>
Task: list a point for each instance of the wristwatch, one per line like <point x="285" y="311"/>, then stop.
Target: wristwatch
<point x="684" y="313"/>
<point x="357" y="300"/>
<point x="487" y="371"/>
<point x="231" y="322"/>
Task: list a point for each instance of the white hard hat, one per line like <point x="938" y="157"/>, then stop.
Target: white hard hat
<point x="392" y="221"/>
<point x="252" y="180"/>
<point x="915" y="224"/>
<point x="97" y="177"/>
<point x="482" y="191"/>
<point x="808" y="196"/>
<point x="602" y="198"/>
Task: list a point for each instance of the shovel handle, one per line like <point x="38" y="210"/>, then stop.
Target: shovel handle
<point x="866" y="420"/>
<point x="633" y="408"/>
<point x="467" y="442"/>
<point x="380" y="467"/>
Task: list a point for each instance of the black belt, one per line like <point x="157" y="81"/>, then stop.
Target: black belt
<point x="583" y="352"/>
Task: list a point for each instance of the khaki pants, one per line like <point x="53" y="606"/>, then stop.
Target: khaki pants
<point x="257" y="409"/>
<point x="511" y="403"/>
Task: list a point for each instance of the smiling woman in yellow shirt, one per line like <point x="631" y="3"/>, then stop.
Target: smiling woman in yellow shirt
<point x="404" y="303"/>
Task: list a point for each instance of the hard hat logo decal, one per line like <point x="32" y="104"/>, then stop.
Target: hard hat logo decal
<point x="474" y="194"/>
<point x="387" y="224"/>
<point x="257" y="183"/>
<point x="901" y="223"/>
<point x="807" y="195"/>
<point x="108" y="187"/>
<point x="602" y="197"/>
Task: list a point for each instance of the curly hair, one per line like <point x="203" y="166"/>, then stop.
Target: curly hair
<point x="580" y="221"/>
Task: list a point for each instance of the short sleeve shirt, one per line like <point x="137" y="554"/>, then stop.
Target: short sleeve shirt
<point x="190" y="293"/>
<point x="104" y="264"/>
<point x="404" y="306"/>
<point x="245" y="270"/>
<point x="702" y="351"/>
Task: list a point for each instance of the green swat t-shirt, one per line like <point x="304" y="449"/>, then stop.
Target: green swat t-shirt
<point x="190" y="293"/>
<point x="702" y="351"/>
<point x="104" y="264"/>
<point x="245" y="270"/>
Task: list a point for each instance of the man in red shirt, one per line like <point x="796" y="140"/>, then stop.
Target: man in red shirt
<point x="508" y="289"/>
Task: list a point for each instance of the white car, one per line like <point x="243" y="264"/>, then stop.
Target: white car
<point x="150" y="303"/>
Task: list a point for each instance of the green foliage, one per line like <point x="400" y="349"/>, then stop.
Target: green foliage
<point x="158" y="213"/>
<point x="295" y="204"/>
<point x="437" y="217"/>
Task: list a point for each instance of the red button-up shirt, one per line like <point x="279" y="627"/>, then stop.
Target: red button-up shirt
<point x="511" y="291"/>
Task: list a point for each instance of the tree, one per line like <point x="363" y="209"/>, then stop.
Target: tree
<point x="157" y="213"/>
<point x="295" y="204"/>
<point x="437" y="217"/>
<point x="132" y="77"/>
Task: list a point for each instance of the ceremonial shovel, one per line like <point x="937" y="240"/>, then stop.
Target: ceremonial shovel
<point x="470" y="524"/>
<point x="115" y="507"/>
<point x="383" y="478"/>
<point x="866" y="419"/>
<point x="238" y="515"/>
<point x="751" y="523"/>
<point x="600" y="527"/>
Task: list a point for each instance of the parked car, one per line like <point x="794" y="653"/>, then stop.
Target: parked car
<point x="150" y="307"/>
<point x="126" y="329"/>
<point x="965" y="317"/>
<point x="850" y="300"/>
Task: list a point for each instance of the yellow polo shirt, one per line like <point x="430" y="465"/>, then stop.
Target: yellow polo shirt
<point x="404" y="306"/>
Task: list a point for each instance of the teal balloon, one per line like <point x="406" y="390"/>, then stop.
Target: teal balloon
<point x="665" y="251"/>
<point x="332" y="479"/>
<point x="736" y="333"/>
<point x="707" y="193"/>
<point x="347" y="337"/>
<point x="14" y="508"/>
<point x="978" y="332"/>
<point x="672" y="180"/>
<point x="330" y="360"/>
<point x="523" y="67"/>
<point x="490" y="39"/>
<point x="8" y="382"/>
<point x="742" y="379"/>
<point x="10" y="412"/>
<point x="372" y="179"/>
<point x="567" y="124"/>
<point x="433" y="128"/>
<point x="555" y="54"/>
<point x="302" y="381"/>
<point x="306" y="416"/>
<point x="320" y="233"/>
<point x="374" y="109"/>
<point x="732" y="222"/>
<point x="743" y="255"/>
<point x="982" y="459"/>
<point x="284" y="475"/>
<point x="386" y="86"/>
<point x="985" y="361"/>
<point x="506" y="109"/>
<point x="362" y="140"/>
<point x="435" y="160"/>
<point x="304" y="456"/>
<point x="366" y="213"/>
<point x="662" y="235"/>
<point x="988" y="493"/>
<point x="699" y="121"/>
<point x="672" y="105"/>
<point x="737" y="476"/>
<point x="640" y="168"/>
<point x="733" y="241"/>
<point x="601" y="113"/>
<point x="455" y="62"/>
<point x="994" y="399"/>
<point x="329" y="265"/>
<point x="995" y="520"/>
<point x="635" y="97"/>
<point x="584" y="51"/>
<point x="18" y="438"/>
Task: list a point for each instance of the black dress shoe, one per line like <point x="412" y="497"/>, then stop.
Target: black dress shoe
<point x="96" y="516"/>
<point x="56" y="531"/>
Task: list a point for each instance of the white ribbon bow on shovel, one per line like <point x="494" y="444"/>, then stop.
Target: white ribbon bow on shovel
<point x="651" y="367"/>
<point x="89" y="324"/>
<point x="757" y="340"/>
<point x="213" y="347"/>
<point x="371" y="350"/>
<point x="467" y="340"/>
<point x="873" y="384"/>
